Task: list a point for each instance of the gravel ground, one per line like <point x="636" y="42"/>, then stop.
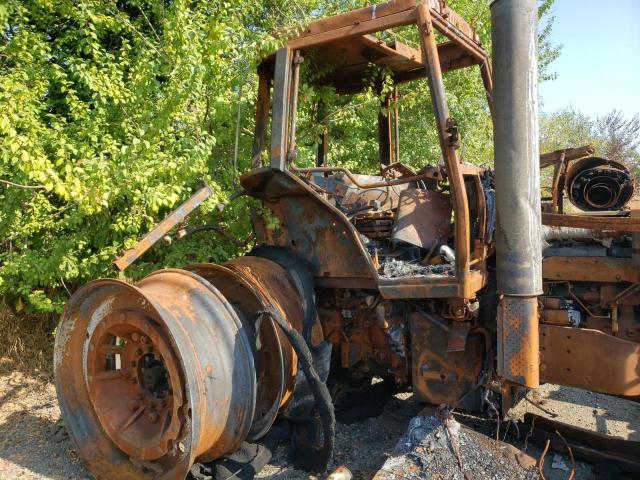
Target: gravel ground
<point x="34" y="443"/>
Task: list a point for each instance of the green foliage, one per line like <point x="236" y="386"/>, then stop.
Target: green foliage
<point x="113" y="110"/>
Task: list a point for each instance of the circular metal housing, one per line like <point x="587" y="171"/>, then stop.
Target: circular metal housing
<point x="598" y="184"/>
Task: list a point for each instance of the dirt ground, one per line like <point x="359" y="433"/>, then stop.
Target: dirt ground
<point x="34" y="443"/>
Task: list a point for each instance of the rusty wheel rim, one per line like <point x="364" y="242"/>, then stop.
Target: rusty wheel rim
<point x="200" y="356"/>
<point x="135" y="384"/>
<point x="268" y="355"/>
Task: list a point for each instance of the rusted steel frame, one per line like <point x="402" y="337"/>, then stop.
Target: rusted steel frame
<point x="323" y="147"/>
<point x="441" y="20"/>
<point x="174" y="218"/>
<point x="295" y="83"/>
<point x="354" y="180"/>
<point x="590" y="446"/>
<point x="401" y="50"/>
<point x="280" y="115"/>
<point x="547" y="159"/>
<point x="592" y="359"/>
<point x="356" y="29"/>
<point x="385" y="136"/>
<point x="449" y="60"/>
<point x="455" y="23"/>
<point x="592" y="222"/>
<point x="396" y="124"/>
<point x="559" y="170"/>
<point x="432" y="287"/>
<point x="262" y="117"/>
<point x="631" y="289"/>
<point x="449" y="153"/>
<point x="358" y="16"/>
<point x="487" y="81"/>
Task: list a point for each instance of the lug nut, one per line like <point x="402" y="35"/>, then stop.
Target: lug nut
<point x="152" y="417"/>
<point x="135" y="337"/>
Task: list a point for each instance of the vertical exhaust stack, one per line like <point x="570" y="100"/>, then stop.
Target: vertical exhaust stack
<point x="516" y="153"/>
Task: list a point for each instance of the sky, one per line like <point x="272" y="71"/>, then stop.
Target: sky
<point x="599" y="66"/>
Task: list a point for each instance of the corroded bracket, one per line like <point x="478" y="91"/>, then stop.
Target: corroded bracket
<point x="174" y="218"/>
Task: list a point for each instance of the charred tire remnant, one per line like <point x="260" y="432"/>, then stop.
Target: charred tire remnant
<point x="597" y="184"/>
<point x="154" y="377"/>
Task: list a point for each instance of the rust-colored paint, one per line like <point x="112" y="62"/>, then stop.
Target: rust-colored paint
<point x="441" y="376"/>
<point x="518" y="352"/>
<point x="269" y="353"/>
<point x="275" y="286"/>
<point x="591" y="359"/>
<point x="591" y="269"/>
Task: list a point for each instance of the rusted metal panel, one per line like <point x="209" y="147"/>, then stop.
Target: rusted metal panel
<point x="606" y="269"/>
<point x="309" y="226"/>
<point x="174" y="218"/>
<point x="591" y="359"/>
<point x="621" y="224"/>
<point x="441" y="376"/>
<point x="423" y="218"/>
<point x="518" y="340"/>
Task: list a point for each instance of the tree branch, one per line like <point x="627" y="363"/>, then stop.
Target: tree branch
<point x="18" y="185"/>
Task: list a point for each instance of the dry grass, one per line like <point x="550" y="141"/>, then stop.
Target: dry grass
<point x="26" y="342"/>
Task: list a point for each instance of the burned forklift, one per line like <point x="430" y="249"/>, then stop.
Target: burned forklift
<point x="432" y="280"/>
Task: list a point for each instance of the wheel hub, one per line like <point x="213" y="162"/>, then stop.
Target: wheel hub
<point x="134" y="384"/>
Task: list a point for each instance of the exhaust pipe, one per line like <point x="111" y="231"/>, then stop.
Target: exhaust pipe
<point x="516" y="155"/>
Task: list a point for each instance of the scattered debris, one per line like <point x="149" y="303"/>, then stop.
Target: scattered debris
<point x="394" y="268"/>
<point x="435" y="448"/>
